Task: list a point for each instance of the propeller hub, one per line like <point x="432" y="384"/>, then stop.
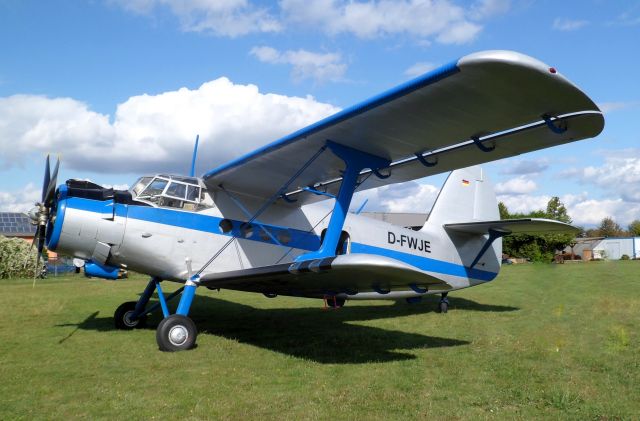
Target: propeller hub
<point x="39" y="215"/>
<point x="33" y="214"/>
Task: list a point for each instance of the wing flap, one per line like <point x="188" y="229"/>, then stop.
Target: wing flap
<point x="344" y="274"/>
<point x="481" y="94"/>
<point x="515" y="226"/>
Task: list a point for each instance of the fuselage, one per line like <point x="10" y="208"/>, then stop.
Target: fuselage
<point x="159" y="241"/>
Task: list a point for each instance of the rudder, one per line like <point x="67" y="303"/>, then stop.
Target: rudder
<point x="466" y="196"/>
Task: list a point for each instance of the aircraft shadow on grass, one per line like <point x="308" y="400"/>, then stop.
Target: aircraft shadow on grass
<point x="326" y="337"/>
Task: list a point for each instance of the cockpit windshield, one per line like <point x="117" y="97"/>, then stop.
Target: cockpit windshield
<point x="171" y="191"/>
<point x="139" y="185"/>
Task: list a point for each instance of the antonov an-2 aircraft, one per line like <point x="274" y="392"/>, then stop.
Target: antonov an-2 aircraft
<point x="255" y="224"/>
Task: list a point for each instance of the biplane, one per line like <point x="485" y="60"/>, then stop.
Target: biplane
<point x="277" y="221"/>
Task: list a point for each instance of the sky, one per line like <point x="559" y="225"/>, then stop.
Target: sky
<point x="120" y="88"/>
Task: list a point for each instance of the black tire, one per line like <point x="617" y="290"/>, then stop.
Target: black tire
<point x="176" y="333"/>
<point x="339" y="302"/>
<point x="122" y="314"/>
<point x="443" y="306"/>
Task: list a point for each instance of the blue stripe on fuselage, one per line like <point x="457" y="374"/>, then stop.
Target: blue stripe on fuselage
<point x="425" y="263"/>
<point x="299" y="239"/>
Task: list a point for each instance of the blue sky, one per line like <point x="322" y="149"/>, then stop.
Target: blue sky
<point x="120" y="88"/>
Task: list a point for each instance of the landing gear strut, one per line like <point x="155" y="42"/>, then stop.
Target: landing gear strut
<point x="175" y="332"/>
<point x="443" y="305"/>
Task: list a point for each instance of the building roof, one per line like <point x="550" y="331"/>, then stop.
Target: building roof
<point x="15" y="224"/>
<point x="404" y="219"/>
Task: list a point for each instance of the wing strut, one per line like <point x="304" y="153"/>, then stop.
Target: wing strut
<point x="355" y="162"/>
<point x="494" y="234"/>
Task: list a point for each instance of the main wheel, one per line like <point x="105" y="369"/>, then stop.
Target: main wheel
<point x="338" y="303"/>
<point x="122" y="317"/>
<point x="443" y="306"/>
<point x="176" y="333"/>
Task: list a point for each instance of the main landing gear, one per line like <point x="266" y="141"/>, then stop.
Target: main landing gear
<point x="443" y="305"/>
<point x="176" y="332"/>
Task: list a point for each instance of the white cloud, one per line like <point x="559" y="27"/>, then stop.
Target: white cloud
<point x="526" y="166"/>
<point x="151" y="133"/>
<point x="583" y="210"/>
<point x="562" y="24"/>
<point x="320" y="67"/>
<point x="620" y="174"/>
<point x="219" y="17"/>
<point x="487" y="8"/>
<point x="520" y="203"/>
<point x="518" y="185"/>
<point x="630" y="17"/>
<point x="403" y="197"/>
<point x="609" y="107"/>
<point x="419" y="69"/>
<point x="447" y="22"/>
<point x="443" y="20"/>
<point x="20" y="200"/>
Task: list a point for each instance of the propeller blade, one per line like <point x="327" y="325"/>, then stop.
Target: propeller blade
<point x="51" y="188"/>
<point x="47" y="178"/>
<point x="41" y="238"/>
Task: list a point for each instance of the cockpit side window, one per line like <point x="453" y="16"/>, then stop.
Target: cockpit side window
<point x="155" y="188"/>
<point x="177" y="190"/>
<point x="193" y="193"/>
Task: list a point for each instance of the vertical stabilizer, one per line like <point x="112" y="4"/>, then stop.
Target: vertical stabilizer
<point x="466" y="196"/>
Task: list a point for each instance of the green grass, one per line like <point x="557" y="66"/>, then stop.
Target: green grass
<point x="542" y="341"/>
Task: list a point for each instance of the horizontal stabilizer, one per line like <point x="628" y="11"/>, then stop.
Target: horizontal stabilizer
<point x="514" y="226"/>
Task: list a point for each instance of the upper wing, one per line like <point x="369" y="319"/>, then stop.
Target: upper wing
<point x="499" y="98"/>
<point x="515" y="226"/>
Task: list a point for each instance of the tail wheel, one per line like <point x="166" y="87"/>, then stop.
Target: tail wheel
<point x="122" y="317"/>
<point x="176" y="333"/>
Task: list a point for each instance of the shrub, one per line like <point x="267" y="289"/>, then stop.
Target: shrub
<point x="17" y="258"/>
<point x="624" y="257"/>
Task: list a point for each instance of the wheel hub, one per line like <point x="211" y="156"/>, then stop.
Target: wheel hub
<point x="127" y="319"/>
<point x="178" y="335"/>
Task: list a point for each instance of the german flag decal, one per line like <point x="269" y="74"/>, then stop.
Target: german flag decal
<point x="465" y="182"/>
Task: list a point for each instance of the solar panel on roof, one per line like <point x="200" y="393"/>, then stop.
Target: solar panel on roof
<point x="15" y="223"/>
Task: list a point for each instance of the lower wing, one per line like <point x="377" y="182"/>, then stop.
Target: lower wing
<point x="345" y="274"/>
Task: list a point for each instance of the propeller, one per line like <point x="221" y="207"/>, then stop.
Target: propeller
<point x="42" y="213"/>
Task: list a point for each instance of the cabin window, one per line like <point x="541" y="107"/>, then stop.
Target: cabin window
<point x="246" y="230"/>
<point x="140" y="185"/>
<point x="226" y="226"/>
<point x="284" y="237"/>
<point x="156" y="187"/>
<point x="178" y="190"/>
<point x="193" y="193"/>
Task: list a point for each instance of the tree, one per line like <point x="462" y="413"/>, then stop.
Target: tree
<point x="609" y="228"/>
<point x="557" y="211"/>
<point x="17" y="258"/>
<point x="504" y="212"/>
<point x="541" y="247"/>
<point x="634" y="228"/>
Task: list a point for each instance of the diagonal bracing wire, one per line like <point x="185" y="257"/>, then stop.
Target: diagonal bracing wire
<point x="264" y="207"/>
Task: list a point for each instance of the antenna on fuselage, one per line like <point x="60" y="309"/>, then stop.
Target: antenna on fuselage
<point x="193" y="160"/>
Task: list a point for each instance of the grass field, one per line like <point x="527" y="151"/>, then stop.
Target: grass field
<point x="542" y="341"/>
